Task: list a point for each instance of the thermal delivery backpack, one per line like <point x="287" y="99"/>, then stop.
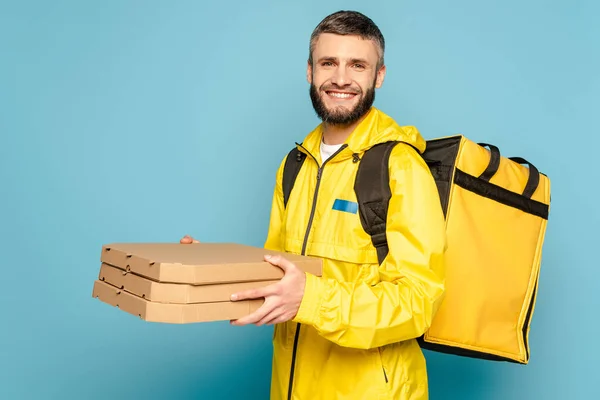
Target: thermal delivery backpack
<point x="496" y="210"/>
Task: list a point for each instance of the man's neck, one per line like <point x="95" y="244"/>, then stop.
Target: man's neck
<point x="337" y="134"/>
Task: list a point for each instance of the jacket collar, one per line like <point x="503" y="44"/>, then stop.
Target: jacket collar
<point x="375" y="128"/>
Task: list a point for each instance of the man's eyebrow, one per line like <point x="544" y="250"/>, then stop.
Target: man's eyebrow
<point x="331" y="59"/>
<point x="359" y="61"/>
<point x="336" y="60"/>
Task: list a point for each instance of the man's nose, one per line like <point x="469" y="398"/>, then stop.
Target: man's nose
<point x="340" y="76"/>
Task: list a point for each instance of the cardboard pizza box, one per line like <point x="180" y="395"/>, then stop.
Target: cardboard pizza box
<point x="172" y="313"/>
<point x="180" y="293"/>
<point x="201" y="263"/>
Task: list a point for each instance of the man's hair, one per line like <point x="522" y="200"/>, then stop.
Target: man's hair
<point x="349" y="23"/>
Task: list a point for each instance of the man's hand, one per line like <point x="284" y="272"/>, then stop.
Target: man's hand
<point x="187" y="239"/>
<point x="282" y="299"/>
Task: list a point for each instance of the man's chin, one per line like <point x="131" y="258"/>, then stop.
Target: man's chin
<point x="340" y="109"/>
<point x="339" y="118"/>
<point x="341" y="112"/>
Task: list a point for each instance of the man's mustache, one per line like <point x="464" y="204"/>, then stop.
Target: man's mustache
<point x="341" y="89"/>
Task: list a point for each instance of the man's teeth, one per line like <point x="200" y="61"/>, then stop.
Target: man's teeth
<point x="340" y="95"/>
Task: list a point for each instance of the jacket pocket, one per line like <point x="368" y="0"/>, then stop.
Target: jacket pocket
<point x="382" y="366"/>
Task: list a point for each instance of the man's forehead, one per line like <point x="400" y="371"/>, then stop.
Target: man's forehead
<point x="332" y="45"/>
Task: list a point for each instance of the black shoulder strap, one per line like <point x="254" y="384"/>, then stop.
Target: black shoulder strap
<point x="373" y="194"/>
<point x="293" y="163"/>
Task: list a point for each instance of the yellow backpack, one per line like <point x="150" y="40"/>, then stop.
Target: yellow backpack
<point x="496" y="211"/>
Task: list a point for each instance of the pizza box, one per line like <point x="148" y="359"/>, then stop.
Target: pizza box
<point x="172" y="313"/>
<point x="180" y="293"/>
<point x="201" y="263"/>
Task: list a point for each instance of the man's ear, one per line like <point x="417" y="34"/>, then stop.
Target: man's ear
<point x="309" y="72"/>
<point x="380" y="77"/>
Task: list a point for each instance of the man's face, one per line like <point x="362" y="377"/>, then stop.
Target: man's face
<point x="343" y="77"/>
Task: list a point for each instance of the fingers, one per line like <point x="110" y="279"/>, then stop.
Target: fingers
<point x="276" y="316"/>
<point x="256" y="293"/>
<point x="187" y="239"/>
<point x="280" y="319"/>
<point x="280" y="262"/>
<point x="265" y="311"/>
<point x="281" y="302"/>
<point x="270" y="313"/>
<point x="257" y="315"/>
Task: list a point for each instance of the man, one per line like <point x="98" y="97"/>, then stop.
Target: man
<point x="350" y="334"/>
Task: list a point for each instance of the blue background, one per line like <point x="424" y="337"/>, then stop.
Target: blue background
<point x="147" y="120"/>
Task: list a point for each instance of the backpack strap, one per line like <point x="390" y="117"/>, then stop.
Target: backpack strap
<point x="371" y="187"/>
<point x="293" y="163"/>
<point x="373" y="194"/>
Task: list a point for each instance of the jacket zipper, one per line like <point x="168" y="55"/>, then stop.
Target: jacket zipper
<point x="304" y="244"/>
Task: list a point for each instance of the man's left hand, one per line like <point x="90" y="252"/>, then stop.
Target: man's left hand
<point x="282" y="299"/>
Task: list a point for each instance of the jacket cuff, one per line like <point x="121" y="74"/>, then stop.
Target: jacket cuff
<point x="308" y="313"/>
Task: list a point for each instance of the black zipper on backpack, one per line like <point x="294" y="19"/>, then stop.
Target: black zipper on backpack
<point x="304" y="244"/>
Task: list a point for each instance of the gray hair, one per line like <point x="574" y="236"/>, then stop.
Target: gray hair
<point x="349" y="23"/>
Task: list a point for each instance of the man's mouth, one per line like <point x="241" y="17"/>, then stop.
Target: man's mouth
<point x="340" y="95"/>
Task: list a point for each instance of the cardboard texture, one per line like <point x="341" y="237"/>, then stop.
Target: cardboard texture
<point x="179" y="293"/>
<point x="187" y="283"/>
<point x="201" y="263"/>
<point x="173" y="313"/>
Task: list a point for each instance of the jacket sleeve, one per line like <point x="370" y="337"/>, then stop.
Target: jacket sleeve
<point x="399" y="299"/>
<point x="273" y="241"/>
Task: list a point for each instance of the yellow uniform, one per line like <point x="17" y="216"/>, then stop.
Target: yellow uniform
<point x="354" y="334"/>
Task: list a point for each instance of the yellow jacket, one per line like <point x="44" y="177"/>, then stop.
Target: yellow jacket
<point x="354" y="334"/>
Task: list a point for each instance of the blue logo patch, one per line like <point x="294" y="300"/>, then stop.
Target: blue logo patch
<point x="345" y="206"/>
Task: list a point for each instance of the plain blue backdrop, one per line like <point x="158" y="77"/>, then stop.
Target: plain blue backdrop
<point x="147" y="120"/>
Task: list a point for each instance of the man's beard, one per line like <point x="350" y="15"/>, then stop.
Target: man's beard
<point x="341" y="115"/>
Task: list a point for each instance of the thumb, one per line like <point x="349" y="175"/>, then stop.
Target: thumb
<point x="187" y="239"/>
<point x="280" y="262"/>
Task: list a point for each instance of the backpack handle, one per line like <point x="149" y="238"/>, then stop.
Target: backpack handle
<point x="534" y="177"/>
<point x="494" y="164"/>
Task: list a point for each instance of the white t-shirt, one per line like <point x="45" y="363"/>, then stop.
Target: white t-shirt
<point x="328" y="149"/>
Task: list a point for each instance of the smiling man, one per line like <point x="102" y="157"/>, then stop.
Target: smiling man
<point x="351" y="334"/>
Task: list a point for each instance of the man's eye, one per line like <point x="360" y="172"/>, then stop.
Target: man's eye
<point x="359" y="66"/>
<point x="327" y="64"/>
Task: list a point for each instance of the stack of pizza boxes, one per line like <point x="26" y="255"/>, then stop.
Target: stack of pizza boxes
<point x="186" y="283"/>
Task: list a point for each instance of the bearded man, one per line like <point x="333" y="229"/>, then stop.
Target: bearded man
<point x="351" y="333"/>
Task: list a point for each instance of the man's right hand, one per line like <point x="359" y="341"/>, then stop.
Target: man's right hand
<point x="187" y="239"/>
